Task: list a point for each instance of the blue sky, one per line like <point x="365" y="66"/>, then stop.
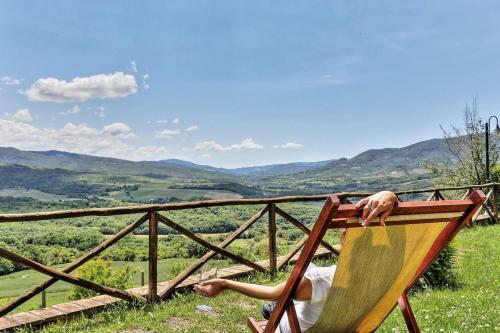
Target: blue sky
<point x="238" y="83"/>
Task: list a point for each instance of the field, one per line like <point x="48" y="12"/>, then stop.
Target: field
<point x="473" y="307"/>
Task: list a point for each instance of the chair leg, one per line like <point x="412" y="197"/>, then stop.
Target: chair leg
<point x="292" y="318"/>
<point x="410" y="320"/>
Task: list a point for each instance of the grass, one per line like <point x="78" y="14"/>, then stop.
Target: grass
<point x="17" y="283"/>
<point x="474" y="307"/>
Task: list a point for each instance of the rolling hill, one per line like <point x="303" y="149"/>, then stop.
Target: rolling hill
<point x="166" y="180"/>
<point x="255" y="171"/>
<point x="375" y="169"/>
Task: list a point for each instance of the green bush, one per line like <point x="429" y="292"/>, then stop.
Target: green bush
<point x="441" y="274"/>
<point x="100" y="271"/>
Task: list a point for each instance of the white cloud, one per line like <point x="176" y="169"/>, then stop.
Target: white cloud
<point x="9" y="81"/>
<point x="162" y="121"/>
<point x="78" y="138"/>
<point x="134" y="66"/>
<point x="207" y="155"/>
<point x="120" y="130"/>
<point x="210" y="145"/>
<point x="21" y="115"/>
<point x="74" y="110"/>
<point x="289" y="145"/>
<point x="176" y="121"/>
<point x="100" y="112"/>
<point x="192" y="128"/>
<point x="145" y="84"/>
<point x="81" y="89"/>
<point x="247" y="144"/>
<point x="167" y="133"/>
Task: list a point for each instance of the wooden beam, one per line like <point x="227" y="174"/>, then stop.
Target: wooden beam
<point x="320" y="227"/>
<point x="209" y="245"/>
<point x="411" y="322"/>
<point x="478" y="212"/>
<point x="440" y="196"/>
<point x="466" y="194"/>
<point x="72" y="266"/>
<point x="292" y="252"/>
<point x="273" y="251"/>
<point x="200" y="262"/>
<point x="37" y="216"/>
<point x="494" y="201"/>
<point x="305" y="229"/>
<point x="293" y="321"/>
<point x="69" y="278"/>
<point x="153" y="257"/>
<point x="477" y="198"/>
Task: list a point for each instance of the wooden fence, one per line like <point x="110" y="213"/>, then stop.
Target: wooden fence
<point x="155" y="214"/>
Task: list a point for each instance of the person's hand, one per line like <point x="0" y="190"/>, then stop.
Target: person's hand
<point x="210" y="288"/>
<point x="378" y="204"/>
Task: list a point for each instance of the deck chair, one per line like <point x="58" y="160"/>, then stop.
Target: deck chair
<point x="377" y="266"/>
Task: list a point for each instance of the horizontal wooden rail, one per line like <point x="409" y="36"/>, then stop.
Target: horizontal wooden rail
<point x="62" y="214"/>
<point x="37" y="216"/>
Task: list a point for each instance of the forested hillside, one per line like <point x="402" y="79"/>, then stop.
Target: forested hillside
<point x="82" y="176"/>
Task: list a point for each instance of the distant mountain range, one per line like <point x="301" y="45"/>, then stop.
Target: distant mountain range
<point x="258" y="171"/>
<point x="391" y="168"/>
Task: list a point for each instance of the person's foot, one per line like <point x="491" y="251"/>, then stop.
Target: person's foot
<point x="266" y="310"/>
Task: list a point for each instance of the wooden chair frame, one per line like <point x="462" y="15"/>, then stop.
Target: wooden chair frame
<point x="335" y="215"/>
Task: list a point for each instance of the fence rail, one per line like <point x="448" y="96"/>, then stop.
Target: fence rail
<point x="155" y="214"/>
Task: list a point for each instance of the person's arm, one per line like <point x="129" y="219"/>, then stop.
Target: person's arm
<point x="379" y="204"/>
<point x="212" y="288"/>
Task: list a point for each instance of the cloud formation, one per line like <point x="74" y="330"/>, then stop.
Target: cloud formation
<point x="80" y="89"/>
<point x="111" y="140"/>
<point x="9" y="81"/>
<point x="289" y="145"/>
<point x="120" y="130"/>
<point x="74" y="110"/>
<point x="23" y="115"/>
<point x="167" y="133"/>
<point x="145" y="84"/>
<point x="100" y="112"/>
<point x="247" y="144"/>
<point x="192" y="128"/>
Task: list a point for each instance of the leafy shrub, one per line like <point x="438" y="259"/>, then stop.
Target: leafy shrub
<point x="100" y="271"/>
<point x="441" y="274"/>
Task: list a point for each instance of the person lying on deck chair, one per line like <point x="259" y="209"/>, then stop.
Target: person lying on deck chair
<point x="314" y="286"/>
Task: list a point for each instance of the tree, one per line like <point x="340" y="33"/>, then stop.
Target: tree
<point x="100" y="271"/>
<point x="465" y="164"/>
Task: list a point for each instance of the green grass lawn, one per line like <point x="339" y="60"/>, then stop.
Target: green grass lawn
<point x="17" y="283"/>
<point x="474" y="307"/>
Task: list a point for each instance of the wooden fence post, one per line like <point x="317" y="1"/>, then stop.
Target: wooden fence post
<point x="273" y="265"/>
<point x="153" y="257"/>
<point x="44" y="299"/>
<point x="494" y="200"/>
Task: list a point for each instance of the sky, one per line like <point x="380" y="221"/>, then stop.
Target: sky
<point x="242" y="83"/>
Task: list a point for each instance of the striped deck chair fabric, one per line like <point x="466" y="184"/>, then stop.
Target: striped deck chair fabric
<point x="377" y="265"/>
